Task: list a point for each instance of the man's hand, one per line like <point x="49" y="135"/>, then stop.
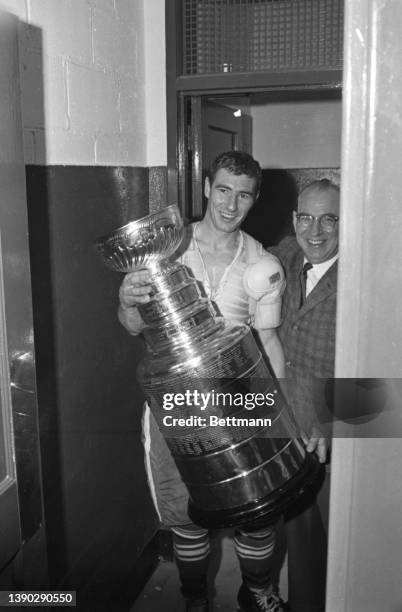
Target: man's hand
<point x="135" y="289"/>
<point x="317" y="444"/>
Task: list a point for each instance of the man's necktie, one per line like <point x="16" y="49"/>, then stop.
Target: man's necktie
<point x="303" y="280"/>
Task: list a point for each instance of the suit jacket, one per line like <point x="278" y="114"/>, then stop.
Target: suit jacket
<point x="308" y="338"/>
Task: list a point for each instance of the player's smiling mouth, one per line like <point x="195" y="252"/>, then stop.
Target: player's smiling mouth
<point x="316" y="243"/>
<point x="228" y="216"/>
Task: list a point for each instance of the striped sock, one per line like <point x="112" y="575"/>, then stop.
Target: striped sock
<point x="191" y="548"/>
<point x="254" y="551"/>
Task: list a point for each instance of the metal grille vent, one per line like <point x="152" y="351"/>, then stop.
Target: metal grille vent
<point x="262" y="35"/>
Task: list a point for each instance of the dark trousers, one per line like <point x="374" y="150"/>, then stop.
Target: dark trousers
<point x="306" y="535"/>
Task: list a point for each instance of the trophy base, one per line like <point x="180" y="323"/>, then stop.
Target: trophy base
<point x="267" y="511"/>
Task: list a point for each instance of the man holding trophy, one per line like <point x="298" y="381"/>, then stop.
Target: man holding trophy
<point x="246" y="284"/>
<point x="218" y="253"/>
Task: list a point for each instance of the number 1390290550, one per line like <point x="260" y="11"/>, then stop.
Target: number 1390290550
<point x="37" y="598"/>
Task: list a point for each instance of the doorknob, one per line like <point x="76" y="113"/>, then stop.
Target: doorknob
<point x="22" y="371"/>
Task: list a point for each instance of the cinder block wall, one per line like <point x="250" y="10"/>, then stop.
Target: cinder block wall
<point x="84" y="81"/>
<point x="94" y="116"/>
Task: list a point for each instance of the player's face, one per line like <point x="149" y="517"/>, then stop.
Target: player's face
<point x="230" y="197"/>
<point x="318" y="244"/>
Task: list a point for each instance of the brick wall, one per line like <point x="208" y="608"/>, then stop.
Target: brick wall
<point x="92" y="78"/>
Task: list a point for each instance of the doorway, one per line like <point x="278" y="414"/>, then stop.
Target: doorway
<point x="294" y="134"/>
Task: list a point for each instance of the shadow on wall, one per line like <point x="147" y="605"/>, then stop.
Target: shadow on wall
<point x="271" y="217"/>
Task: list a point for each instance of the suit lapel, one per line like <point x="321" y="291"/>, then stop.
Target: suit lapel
<point x="324" y="288"/>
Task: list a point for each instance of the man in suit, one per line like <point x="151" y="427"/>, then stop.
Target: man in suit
<point x="307" y="333"/>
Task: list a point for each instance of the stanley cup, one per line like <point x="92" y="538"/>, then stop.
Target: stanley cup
<point x="241" y="466"/>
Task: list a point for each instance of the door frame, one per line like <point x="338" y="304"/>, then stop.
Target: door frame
<point x="22" y="533"/>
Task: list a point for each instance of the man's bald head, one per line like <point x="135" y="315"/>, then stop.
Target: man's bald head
<point x="316" y="223"/>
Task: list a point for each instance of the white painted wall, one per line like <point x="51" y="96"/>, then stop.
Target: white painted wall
<point x="365" y="531"/>
<point x="93" y="81"/>
<point x="297" y="134"/>
<point x="155" y="78"/>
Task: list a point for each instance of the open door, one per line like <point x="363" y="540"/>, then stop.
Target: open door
<point x="214" y="128"/>
<point x="10" y="534"/>
<point x="20" y="485"/>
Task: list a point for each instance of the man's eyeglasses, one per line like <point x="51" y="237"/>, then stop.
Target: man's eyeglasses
<point x="328" y="222"/>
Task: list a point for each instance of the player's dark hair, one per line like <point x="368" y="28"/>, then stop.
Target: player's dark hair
<point x="237" y="162"/>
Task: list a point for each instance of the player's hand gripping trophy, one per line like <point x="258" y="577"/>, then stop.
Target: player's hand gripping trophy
<point x="240" y="467"/>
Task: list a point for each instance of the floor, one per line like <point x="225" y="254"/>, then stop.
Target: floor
<point x="162" y="592"/>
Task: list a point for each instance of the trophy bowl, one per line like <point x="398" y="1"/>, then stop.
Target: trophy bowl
<point x="143" y="243"/>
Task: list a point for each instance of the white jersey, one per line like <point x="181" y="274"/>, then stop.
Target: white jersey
<point x="230" y="295"/>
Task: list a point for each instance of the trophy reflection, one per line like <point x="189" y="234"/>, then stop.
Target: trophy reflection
<point x="241" y="467"/>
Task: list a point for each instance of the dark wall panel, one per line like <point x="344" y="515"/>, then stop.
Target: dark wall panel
<point x="97" y="503"/>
